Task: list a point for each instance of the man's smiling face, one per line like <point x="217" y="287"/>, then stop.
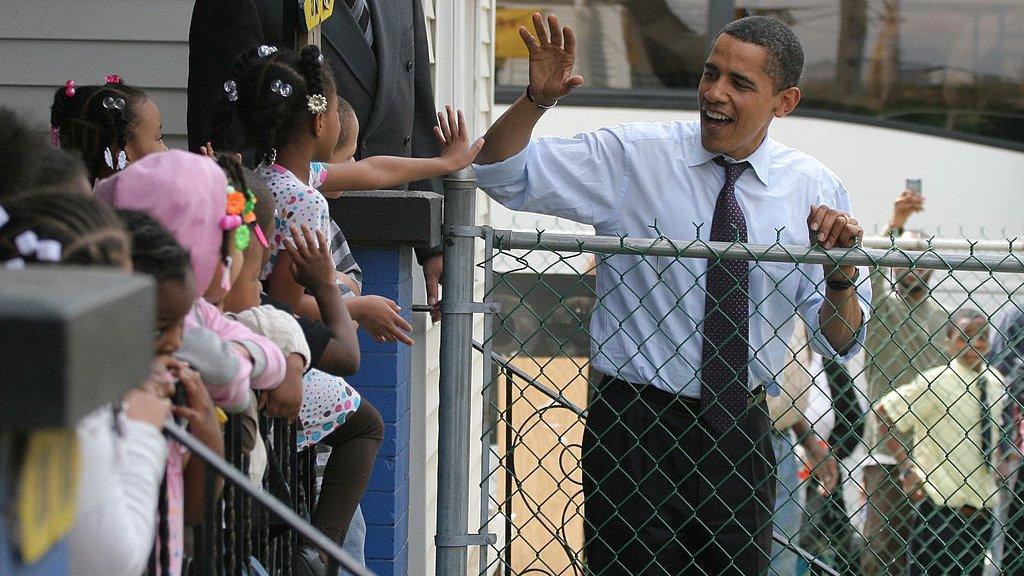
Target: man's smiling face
<point x="738" y="99"/>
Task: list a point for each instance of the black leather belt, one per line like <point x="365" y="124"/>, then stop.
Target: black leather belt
<point x="757" y="395"/>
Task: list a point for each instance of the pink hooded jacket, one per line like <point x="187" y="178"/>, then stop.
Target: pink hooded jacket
<point x="187" y="194"/>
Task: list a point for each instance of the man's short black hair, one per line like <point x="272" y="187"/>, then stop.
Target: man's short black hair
<point x="785" y="54"/>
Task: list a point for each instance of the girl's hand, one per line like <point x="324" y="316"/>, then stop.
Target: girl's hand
<point x="209" y="153"/>
<point x="453" y="138"/>
<point x="146" y="407"/>
<point x="380" y="317"/>
<point x="160" y="382"/>
<point x="312" y="265"/>
<point x="200" y="413"/>
<point x="284" y="401"/>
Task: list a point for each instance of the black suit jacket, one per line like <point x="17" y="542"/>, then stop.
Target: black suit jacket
<point x="389" y="86"/>
<point x="220" y="31"/>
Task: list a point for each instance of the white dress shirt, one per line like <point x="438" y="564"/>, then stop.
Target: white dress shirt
<point x="646" y="325"/>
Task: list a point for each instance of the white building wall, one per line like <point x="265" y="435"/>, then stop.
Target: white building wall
<point x="461" y="35"/>
<point x="45" y="42"/>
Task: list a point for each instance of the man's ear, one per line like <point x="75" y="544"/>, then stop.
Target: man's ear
<point x="788" y="99"/>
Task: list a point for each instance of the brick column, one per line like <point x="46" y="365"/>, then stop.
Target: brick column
<point x="383" y="227"/>
<point x="383" y="379"/>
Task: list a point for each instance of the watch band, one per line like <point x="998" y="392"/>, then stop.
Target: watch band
<point x="529" y="96"/>
<point x="846" y="284"/>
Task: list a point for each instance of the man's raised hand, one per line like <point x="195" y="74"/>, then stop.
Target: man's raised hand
<point x="552" y="55"/>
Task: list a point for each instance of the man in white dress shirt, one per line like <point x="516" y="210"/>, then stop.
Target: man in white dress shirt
<point x="678" y="468"/>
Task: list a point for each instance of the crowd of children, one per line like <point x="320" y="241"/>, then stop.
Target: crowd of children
<point x="258" y="295"/>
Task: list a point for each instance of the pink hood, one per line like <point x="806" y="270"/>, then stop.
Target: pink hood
<point x="183" y="191"/>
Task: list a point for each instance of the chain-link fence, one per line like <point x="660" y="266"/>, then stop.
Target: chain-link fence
<point x="624" y="433"/>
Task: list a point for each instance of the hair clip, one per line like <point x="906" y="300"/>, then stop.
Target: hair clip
<point x="55" y="136"/>
<point x="108" y="159"/>
<point x="240" y="209"/>
<point x="265" y="50"/>
<point x="4" y="217"/>
<point x="111" y="103"/>
<point x="229" y="222"/>
<point x="316" y="103"/>
<point x="44" y="250"/>
<point x="69" y="88"/>
<point x="112" y="79"/>
<point x="231" y="89"/>
<point x="260" y="237"/>
<point x="269" y="157"/>
<point x="282" y="88"/>
<point x="320" y="59"/>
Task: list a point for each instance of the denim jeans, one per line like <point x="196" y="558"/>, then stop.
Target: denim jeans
<point x="788" y="512"/>
<point x="355" y="539"/>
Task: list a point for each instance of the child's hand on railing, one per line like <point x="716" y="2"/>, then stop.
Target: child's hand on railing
<point x="284" y="401"/>
<point x="453" y="138"/>
<point x="380" y="317"/>
<point x="199" y="411"/>
<point x="145" y="406"/>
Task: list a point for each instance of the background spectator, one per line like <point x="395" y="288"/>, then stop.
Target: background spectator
<point x="904" y="339"/>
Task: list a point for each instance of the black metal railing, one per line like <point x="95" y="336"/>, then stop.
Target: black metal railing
<point x="261" y="523"/>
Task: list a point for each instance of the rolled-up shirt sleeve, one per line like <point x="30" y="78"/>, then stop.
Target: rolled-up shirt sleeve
<point x="811" y="294"/>
<point x="812" y="298"/>
<point x="581" y="178"/>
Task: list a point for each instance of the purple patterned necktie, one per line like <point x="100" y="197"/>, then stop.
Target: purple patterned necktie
<point x="723" y="391"/>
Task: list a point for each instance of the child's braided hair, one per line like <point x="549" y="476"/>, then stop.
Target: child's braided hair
<point x="88" y="231"/>
<point x="269" y="91"/>
<point x="155" y="251"/>
<point x="86" y="121"/>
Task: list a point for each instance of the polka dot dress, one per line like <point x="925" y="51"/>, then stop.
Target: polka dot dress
<point x="326" y="403"/>
<point x="296" y="203"/>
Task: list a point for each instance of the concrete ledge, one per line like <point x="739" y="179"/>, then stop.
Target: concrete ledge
<point x="389" y="218"/>
<point x="71" y="339"/>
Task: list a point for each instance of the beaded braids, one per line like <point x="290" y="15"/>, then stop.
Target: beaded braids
<point x="88" y="232"/>
<point x="239" y="222"/>
<point x="274" y="93"/>
<point x="91" y="119"/>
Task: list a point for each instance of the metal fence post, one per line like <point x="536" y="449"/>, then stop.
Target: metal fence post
<point x="456" y="377"/>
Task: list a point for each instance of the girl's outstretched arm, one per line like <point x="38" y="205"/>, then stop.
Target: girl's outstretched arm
<point x="382" y="172"/>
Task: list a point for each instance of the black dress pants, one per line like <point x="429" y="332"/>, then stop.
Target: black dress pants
<point x="1013" y="548"/>
<point x="664" y="497"/>
<point x="945" y="542"/>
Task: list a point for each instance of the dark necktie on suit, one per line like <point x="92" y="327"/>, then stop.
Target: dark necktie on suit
<point x="724" y="391"/>
<point x="361" y="12"/>
<point x="986" y="422"/>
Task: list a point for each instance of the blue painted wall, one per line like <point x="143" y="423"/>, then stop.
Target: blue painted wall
<point x="384" y="379"/>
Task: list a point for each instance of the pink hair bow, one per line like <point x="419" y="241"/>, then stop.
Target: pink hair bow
<point x="112" y="79"/>
<point x="69" y="88"/>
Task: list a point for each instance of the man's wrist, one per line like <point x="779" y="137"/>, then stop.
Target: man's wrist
<point x="540" y="104"/>
<point x="842" y="278"/>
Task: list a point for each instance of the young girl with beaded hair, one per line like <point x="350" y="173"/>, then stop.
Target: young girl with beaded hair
<point x="292" y="115"/>
<point x="122" y="484"/>
<point x="110" y="125"/>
